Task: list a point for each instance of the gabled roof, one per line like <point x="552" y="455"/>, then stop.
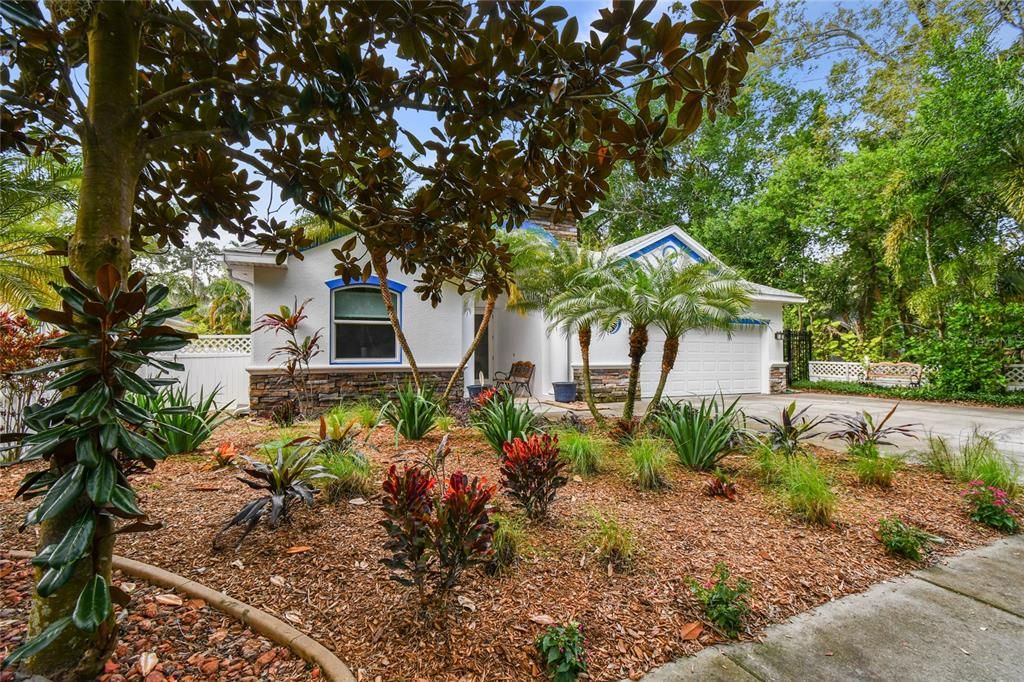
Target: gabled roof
<point x="675" y="238"/>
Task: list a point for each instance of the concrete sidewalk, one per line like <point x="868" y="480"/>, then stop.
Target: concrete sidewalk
<point x="961" y="620"/>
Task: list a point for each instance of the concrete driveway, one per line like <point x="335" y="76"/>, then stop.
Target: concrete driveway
<point x="954" y="422"/>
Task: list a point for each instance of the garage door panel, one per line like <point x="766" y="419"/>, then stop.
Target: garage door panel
<point x="708" y="362"/>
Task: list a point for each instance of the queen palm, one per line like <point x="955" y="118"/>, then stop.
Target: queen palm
<point x="689" y="297"/>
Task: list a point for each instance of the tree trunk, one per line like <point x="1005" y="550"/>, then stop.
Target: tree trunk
<point x="488" y="311"/>
<point x="584" y="334"/>
<point x="668" y="361"/>
<point x="380" y="266"/>
<point x="637" y="348"/>
<point x="102" y="235"/>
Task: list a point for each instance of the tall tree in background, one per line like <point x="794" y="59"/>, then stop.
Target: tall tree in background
<point x="187" y="109"/>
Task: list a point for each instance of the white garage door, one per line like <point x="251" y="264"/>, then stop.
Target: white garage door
<point x="708" y="362"/>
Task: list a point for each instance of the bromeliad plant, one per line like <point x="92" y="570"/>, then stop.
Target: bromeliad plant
<point x="788" y="433"/>
<point x="861" y="433"/>
<point x="435" y="535"/>
<point x="286" y="479"/>
<point x="531" y="473"/>
<point x="700" y="435"/>
<point x="111" y="328"/>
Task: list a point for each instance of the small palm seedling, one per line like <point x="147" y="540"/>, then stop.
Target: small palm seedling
<point x="647" y="462"/>
<point x="413" y="414"/>
<point x="501" y="420"/>
<point x="700" y="435"/>
<point x="286" y="479"/>
<point x="861" y="432"/>
<point x="788" y="433"/>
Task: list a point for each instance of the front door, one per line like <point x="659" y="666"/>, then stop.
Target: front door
<point x="482" y="355"/>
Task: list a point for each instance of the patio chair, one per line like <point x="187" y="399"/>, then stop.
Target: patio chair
<point x="519" y="376"/>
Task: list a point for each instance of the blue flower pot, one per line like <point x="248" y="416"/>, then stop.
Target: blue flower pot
<point x="474" y="390"/>
<point x="565" y="391"/>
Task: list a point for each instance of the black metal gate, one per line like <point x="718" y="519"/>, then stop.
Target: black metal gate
<point x="796" y="350"/>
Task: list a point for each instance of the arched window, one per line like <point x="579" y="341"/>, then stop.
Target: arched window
<point x="362" y="331"/>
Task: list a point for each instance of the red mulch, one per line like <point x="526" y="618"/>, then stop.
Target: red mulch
<point x="163" y="636"/>
<point x="339" y="593"/>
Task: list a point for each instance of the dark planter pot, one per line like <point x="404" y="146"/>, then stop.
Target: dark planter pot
<point x="565" y="391"/>
<point x="474" y="390"/>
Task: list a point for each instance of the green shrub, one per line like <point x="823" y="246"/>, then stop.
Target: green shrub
<point x="876" y="470"/>
<point x="561" y="651"/>
<point x="192" y="421"/>
<point x="992" y="506"/>
<point x="807" y="490"/>
<point x="726" y="605"/>
<point x="903" y="539"/>
<point x="444" y="422"/>
<point x="501" y="420"/>
<point x="977" y="459"/>
<point x="700" y="435"/>
<point x="583" y="451"/>
<point x="509" y="542"/>
<point x="412" y="413"/>
<point x="927" y="392"/>
<point x="351" y="472"/>
<point x="647" y="462"/>
<point x="613" y="542"/>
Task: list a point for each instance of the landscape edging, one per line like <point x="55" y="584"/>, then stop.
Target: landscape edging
<point x="278" y="631"/>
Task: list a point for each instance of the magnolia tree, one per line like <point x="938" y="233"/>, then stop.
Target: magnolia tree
<point x="182" y="111"/>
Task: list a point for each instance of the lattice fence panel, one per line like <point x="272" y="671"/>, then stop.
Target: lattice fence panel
<point x="219" y="344"/>
<point x="827" y="370"/>
<point x="1014" y="377"/>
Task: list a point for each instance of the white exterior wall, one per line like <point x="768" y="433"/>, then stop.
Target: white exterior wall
<point x="435" y="334"/>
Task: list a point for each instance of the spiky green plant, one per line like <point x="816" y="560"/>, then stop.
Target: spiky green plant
<point x="182" y="420"/>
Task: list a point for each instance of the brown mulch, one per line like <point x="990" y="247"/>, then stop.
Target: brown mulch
<point x="162" y="636"/>
<point x="338" y="591"/>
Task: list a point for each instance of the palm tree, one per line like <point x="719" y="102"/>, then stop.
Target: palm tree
<point x="629" y="293"/>
<point x="560" y="280"/>
<point x="229" y="307"/>
<point x="37" y="193"/>
<point x="688" y="297"/>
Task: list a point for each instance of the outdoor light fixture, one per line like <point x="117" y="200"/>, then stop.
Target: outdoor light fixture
<point x="779" y="336"/>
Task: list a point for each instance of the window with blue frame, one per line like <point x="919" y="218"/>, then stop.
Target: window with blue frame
<point x="362" y="331"/>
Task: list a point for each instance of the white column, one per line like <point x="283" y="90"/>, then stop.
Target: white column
<point x="468" y="331"/>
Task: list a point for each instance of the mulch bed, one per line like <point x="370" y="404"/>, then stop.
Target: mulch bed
<point x="323" y="573"/>
<point x="163" y="636"/>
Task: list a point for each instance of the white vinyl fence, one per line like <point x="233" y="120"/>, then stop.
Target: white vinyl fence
<point x="829" y="370"/>
<point x="216" y="360"/>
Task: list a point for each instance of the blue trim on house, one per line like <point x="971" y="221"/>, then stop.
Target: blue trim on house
<point x="748" y="320"/>
<point x="372" y="280"/>
<point x="339" y="283"/>
<point x="669" y="240"/>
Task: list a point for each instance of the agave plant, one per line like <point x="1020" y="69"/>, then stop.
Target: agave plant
<point x="786" y="435"/>
<point x="286" y="478"/>
<point x="860" y="430"/>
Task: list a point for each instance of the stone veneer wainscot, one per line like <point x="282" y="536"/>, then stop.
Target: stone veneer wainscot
<point x="268" y="387"/>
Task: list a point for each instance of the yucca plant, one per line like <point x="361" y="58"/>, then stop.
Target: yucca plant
<point x="787" y="434"/>
<point x="700" y="435"/>
<point x="502" y="420"/>
<point x="286" y="478"/>
<point x="182" y="421"/>
<point x="413" y="413"/>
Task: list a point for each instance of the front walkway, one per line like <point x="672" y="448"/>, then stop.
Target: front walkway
<point x="962" y="620"/>
<point x="954" y="422"/>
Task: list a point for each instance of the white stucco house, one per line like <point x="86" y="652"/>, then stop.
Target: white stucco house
<point x="361" y="355"/>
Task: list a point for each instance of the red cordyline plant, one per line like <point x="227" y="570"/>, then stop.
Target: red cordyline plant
<point x="21" y="348"/>
<point x="435" y="534"/>
<point x="297" y="352"/>
<point x="531" y="473"/>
